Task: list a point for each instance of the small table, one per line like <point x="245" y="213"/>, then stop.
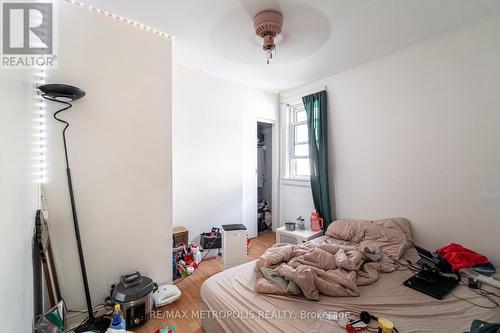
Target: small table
<point x="297" y="236"/>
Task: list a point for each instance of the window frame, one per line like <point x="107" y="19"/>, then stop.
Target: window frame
<point x="291" y="124"/>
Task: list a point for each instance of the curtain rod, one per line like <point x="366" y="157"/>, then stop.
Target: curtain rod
<point x="301" y="94"/>
<point x="313" y="91"/>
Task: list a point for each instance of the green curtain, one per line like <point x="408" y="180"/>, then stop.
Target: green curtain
<point x="316" y="109"/>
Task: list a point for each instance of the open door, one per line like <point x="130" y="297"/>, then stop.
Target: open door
<point x="249" y="185"/>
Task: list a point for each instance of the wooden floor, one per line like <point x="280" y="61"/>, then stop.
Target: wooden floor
<point x="190" y="287"/>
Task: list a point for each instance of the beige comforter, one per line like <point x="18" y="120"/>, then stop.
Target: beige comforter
<point x="337" y="265"/>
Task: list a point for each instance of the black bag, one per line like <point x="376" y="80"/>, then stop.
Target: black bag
<point x="211" y="240"/>
<point x="479" y="326"/>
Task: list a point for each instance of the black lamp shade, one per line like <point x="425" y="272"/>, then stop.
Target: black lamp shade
<point x="57" y="90"/>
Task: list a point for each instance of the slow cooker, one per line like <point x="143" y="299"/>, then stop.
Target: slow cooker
<point x="134" y="294"/>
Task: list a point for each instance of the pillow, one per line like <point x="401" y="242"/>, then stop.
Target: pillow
<point x="404" y="224"/>
<point x="391" y="236"/>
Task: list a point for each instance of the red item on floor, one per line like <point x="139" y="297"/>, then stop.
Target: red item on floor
<point x="461" y="257"/>
<point x="188" y="259"/>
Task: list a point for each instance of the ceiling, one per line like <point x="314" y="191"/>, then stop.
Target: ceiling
<point x="320" y="37"/>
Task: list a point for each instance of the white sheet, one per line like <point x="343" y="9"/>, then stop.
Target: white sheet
<point x="231" y="293"/>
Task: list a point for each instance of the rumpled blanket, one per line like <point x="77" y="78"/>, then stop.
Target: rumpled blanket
<point x="335" y="264"/>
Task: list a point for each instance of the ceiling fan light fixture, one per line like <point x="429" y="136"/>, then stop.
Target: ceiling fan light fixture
<point x="268" y="24"/>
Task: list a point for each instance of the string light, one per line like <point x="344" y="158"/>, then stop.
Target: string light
<point x="40" y="126"/>
<point x="119" y="18"/>
<point x="164" y="35"/>
<point x="227" y="78"/>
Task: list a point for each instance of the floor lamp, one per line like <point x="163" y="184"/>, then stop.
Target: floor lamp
<point x="65" y="94"/>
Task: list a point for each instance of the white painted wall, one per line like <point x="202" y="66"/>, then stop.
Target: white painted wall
<point x="295" y="200"/>
<point x="417" y="134"/>
<point x="18" y="197"/>
<point x="208" y="118"/>
<point x="119" y="142"/>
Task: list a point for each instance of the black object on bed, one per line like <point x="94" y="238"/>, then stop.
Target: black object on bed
<point x="429" y="280"/>
<point x="437" y="286"/>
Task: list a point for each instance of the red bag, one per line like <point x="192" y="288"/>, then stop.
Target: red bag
<point x="461" y="257"/>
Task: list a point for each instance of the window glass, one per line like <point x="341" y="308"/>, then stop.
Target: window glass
<point x="301" y="150"/>
<point x="297" y="143"/>
<point x="301" y="167"/>
<point x="300" y="116"/>
<point x="301" y="133"/>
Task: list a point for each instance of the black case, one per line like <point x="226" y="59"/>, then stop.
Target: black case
<point x="210" y="242"/>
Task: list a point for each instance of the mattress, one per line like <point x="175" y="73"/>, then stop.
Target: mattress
<point x="232" y="305"/>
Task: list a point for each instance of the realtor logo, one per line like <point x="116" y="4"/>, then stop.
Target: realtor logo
<point x="27" y="34"/>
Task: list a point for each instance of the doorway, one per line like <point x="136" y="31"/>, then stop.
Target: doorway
<point x="252" y="193"/>
<point x="264" y="176"/>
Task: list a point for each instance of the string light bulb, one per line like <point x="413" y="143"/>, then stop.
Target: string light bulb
<point x="40" y="127"/>
<point x="119" y="18"/>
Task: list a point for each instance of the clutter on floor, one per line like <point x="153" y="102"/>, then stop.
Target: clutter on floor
<point x="52" y="320"/>
<point x="167" y="329"/>
<point x="166" y="294"/>
<point x="188" y="255"/>
<point x="45" y="259"/>
<point x="185" y="255"/>
<point x="117" y="320"/>
<point x="211" y="240"/>
<point x="185" y="264"/>
<point x="264" y="216"/>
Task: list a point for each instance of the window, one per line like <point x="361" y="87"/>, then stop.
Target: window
<point x="298" y="142"/>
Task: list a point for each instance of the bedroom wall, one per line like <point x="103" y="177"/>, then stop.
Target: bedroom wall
<point x="416" y="134"/>
<point x="208" y="118"/>
<point x="295" y="200"/>
<point x="19" y="179"/>
<point x="120" y="153"/>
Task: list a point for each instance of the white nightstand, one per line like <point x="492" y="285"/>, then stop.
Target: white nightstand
<point x="297" y="236"/>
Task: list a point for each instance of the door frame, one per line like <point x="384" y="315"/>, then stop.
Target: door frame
<point x="275" y="169"/>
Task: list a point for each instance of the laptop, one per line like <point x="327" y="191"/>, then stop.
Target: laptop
<point x="432" y="284"/>
<point x="429" y="281"/>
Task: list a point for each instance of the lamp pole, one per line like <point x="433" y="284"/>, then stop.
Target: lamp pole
<point x="52" y="92"/>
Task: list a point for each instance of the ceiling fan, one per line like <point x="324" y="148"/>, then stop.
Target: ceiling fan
<point x="268" y="24"/>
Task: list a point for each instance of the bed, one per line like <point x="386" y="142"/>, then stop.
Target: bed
<point x="231" y="304"/>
